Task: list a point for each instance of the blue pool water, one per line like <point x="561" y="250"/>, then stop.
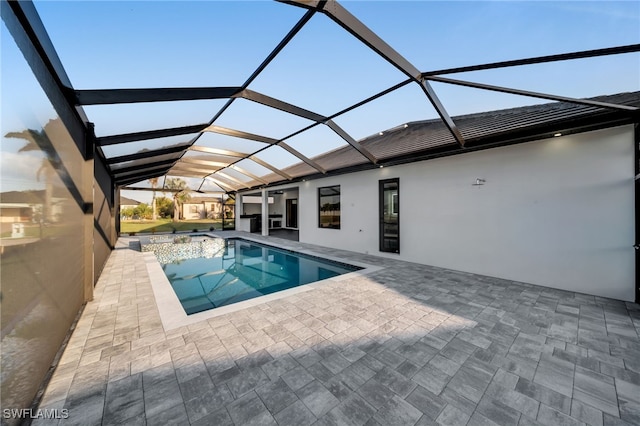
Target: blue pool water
<point x="242" y="270"/>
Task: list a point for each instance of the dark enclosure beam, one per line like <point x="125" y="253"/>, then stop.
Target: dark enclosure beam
<point x="302" y="157"/>
<point x="533" y="94"/>
<point x="147" y="154"/>
<point x="240" y="134"/>
<point x="281" y="105"/>
<point x="446" y="119"/>
<point x="128" y="96"/>
<point x="152" y="134"/>
<point x="247" y="173"/>
<point x="224" y="186"/>
<point x="345" y="19"/>
<point x="270" y="167"/>
<point x="218" y="151"/>
<point x="195" y="168"/>
<point x="139" y="178"/>
<point x="142" y="168"/>
<point x="540" y="59"/>
<point x="232" y="181"/>
<point x="200" y="162"/>
<point x="344" y="135"/>
<point x="287" y="38"/>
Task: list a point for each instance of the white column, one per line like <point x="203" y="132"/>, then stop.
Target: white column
<point x="265" y="212"/>
<point x="239" y="210"/>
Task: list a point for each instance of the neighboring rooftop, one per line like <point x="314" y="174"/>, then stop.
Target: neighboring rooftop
<point x="430" y="138"/>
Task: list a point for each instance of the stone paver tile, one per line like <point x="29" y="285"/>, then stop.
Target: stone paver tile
<point x="629" y="401"/>
<point x="217" y="418"/>
<point x="499" y="411"/>
<point x="296" y="414"/>
<point x="175" y="415"/>
<point x="397" y="411"/>
<point x="610" y="420"/>
<point x="353" y="353"/>
<point x="458" y="350"/>
<point x="248" y="409"/>
<point x="597" y="390"/>
<point x="356" y="375"/>
<point x="390" y="358"/>
<point x="522" y="367"/>
<point x="276" y="395"/>
<point x="431" y="405"/>
<point x="545" y="395"/>
<point x="317" y="398"/>
<point x="375" y="393"/>
<point x="335" y="363"/>
<point x="469" y="384"/>
<point x="320" y="372"/>
<point x="353" y="411"/>
<point x="620" y="373"/>
<point x="407" y="369"/>
<point x="513" y="399"/>
<point x="556" y="374"/>
<point x="445" y="364"/>
<point x="586" y="413"/>
<point x="505" y="379"/>
<point x="124" y="400"/>
<point x="549" y="416"/>
<point x="85" y="408"/>
<point x="478" y="419"/>
<point x="161" y="396"/>
<point x="339" y="387"/>
<point x="297" y="378"/>
<point x="246" y="381"/>
<point x="208" y="402"/>
<point x="219" y="374"/>
<point x="196" y="386"/>
<point x="256" y="359"/>
<point x="279" y="366"/>
<point x="395" y="381"/>
<point x="451" y="416"/>
<point x="432" y="379"/>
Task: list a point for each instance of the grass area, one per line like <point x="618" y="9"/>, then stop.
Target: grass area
<point x="168" y="225"/>
<point x="35" y="231"/>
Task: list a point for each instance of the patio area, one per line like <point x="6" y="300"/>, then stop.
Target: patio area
<point x="406" y="344"/>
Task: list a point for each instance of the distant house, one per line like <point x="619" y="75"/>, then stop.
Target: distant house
<point x="24" y="206"/>
<point x="128" y="203"/>
<point x="202" y="208"/>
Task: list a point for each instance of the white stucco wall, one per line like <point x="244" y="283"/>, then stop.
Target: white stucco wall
<point x="557" y="212"/>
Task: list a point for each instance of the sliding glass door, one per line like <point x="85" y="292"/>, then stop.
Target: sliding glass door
<point x="390" y="215"/>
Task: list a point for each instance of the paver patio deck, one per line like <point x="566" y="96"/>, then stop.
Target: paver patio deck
<point x="407" y="344"/>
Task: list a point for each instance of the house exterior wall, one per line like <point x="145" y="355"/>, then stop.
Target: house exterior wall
<point x="557" y="212"/>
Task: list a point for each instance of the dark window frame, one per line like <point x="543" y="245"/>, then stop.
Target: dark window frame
<point x="396" y="210"/>
<point x="337" y="192"/>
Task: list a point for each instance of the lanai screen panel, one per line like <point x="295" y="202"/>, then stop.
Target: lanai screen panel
<point x="308" y="91"/>
<point x="332" y="70"/>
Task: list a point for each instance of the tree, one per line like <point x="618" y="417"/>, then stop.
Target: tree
<point x="154" y="183"/>
<point x="142" y="211"/>
<point x="164" y="207"/>
<point x="37" y="140"/>
<point x="180" y="194"/>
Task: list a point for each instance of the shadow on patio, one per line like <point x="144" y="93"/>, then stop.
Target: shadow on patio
<point x="409" y="344"/>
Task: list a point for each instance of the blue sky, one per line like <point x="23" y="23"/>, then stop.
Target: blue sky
<point x="119" y="44"/>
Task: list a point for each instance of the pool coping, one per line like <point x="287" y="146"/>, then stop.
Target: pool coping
<point x="172" y="313"/>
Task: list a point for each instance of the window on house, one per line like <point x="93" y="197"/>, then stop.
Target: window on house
<point x="329" y="207"/>
<point x="193" y="209"/>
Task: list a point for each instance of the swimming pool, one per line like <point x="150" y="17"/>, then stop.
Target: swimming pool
<point x="242" y="270"/>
